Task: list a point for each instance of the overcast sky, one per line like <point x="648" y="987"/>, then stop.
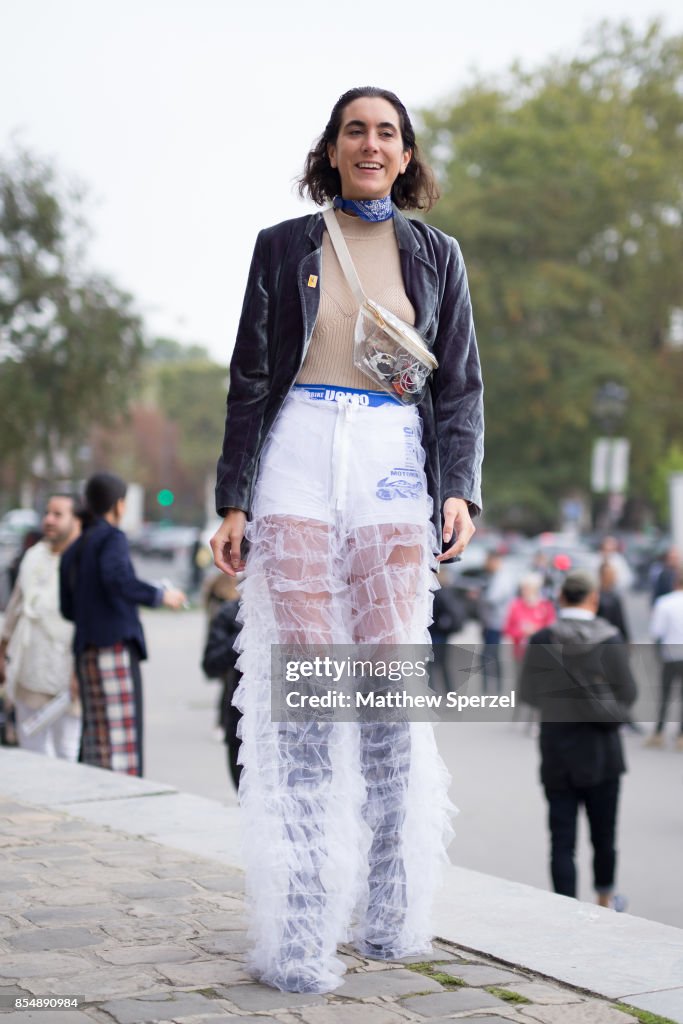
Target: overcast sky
<point x="189" y="119"/>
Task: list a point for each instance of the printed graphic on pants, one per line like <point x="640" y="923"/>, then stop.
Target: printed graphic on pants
<point x="403" y="481"/>
<point x="400" y="483"/>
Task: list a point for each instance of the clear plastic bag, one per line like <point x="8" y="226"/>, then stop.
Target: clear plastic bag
<point x="392" y="354"/>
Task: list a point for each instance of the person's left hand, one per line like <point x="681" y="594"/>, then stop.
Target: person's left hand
<point x="456" y="523"/>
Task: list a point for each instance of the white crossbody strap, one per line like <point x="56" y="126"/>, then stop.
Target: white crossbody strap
<point x="344" y="256"/>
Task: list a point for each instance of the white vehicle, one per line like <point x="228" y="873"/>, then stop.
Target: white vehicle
<point x="19" y="520"/>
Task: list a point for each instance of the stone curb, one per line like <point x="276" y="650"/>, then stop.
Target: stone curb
<point x="618" y="957"/>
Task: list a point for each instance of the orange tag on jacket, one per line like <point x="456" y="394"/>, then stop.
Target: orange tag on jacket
<point x="312" y="281"/>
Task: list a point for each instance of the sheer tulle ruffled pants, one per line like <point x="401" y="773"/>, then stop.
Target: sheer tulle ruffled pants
<point x="345" y="824"/>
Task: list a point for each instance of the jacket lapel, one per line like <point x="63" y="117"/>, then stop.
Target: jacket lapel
<point x="307" y="270"/>
<point x="420" y="277"/>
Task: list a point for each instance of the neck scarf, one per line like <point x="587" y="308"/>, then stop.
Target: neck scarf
<point x="367" y="209"/>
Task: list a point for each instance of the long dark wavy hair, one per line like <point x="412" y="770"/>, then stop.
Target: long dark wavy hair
<point x="415" y="189"/>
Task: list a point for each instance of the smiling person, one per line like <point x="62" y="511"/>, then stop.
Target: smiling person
<point x="346" y="455"/>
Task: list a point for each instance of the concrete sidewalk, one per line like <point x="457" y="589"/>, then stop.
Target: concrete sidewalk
<point x="128" y="895"/>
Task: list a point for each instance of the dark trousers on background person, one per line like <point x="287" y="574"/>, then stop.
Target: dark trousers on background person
<point x="491" y="667"/>
<point x="441" y="663"/>
<point x="601" y="803"/>
<point x="671" y="671"/>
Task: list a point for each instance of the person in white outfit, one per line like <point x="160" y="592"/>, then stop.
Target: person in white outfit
<point x="666" y="629"/>
<point x="610" y="553"/>
<point x="341" y="489"/>
<point x="35" y="645"/>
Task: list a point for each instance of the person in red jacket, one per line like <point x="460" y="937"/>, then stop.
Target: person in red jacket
<point x="527" y="614"/>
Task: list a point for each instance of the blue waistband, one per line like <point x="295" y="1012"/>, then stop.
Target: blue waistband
<point x="355" y="396"/>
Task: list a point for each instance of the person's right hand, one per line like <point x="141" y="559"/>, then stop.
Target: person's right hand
<point x="174" y="598"/>
<point x="227" y="541"/>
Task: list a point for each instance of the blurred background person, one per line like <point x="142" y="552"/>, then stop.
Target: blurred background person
<point x="494" y="598"/>
<point x="666" y="629"/>
<point x="99" y="592"/>
<point x="610" y="552"/>
<point x="449" y="614"/>
<point x="36" y="642"/>
<point x="665" y="580"/>
<point x="219" y="662"/>
<point x="30" y="538"/>
<point x="527" y="613"/>
<point x="610" y="606"/>
<point x="577" y="673"/>
<point x="542" y="565"/>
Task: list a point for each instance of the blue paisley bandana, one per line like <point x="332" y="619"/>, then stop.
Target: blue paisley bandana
<point x="367" y="209"/>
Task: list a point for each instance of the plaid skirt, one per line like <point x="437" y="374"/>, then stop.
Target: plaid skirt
<point x="111" y="694"/>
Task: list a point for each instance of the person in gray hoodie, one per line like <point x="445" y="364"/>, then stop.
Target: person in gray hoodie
<point x="577" y="673"/>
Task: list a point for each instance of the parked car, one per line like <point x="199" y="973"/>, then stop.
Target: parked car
<point x="17" y="522"/>
<point x="163" y="540"/>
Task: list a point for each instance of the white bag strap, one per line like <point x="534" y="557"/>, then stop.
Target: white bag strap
<point x="343" y="255"/>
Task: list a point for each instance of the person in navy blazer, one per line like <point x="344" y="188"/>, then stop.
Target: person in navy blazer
<point x="99" y="593"/>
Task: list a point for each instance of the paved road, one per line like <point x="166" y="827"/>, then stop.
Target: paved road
<point x="501" y="826"/>
<point x="146" y="932"/>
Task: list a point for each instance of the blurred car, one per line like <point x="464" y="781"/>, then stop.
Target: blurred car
<point x="137" y="539"/>
<point x="17" y="522"/>
<point x="645" y="554"/>
<point x="164" y="540"/>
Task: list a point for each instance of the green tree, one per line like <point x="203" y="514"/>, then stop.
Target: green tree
<point x="69" y="339"/>
<point x="192" y="395"/>
<point x="564" y="187"/>
<point x="172" y="430"/>
<point x="168" y="350"/>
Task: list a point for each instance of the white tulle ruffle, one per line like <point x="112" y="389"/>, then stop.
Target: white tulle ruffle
<point x="345" y="824"/>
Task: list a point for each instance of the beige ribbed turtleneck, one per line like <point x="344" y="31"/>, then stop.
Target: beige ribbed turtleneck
<point x="374" y="251"/>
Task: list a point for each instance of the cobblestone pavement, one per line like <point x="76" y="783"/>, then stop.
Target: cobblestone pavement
<point x="147" y="933"/>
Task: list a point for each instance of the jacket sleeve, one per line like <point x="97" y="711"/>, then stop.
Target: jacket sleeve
<point x="617" y="670"/>
<point x="549" y="614"/>
<point x="512" y="626"/>
<point x="118" y="577"/>
<point x="534" y="670"/>
<point x="457" y="388"/>
<point x="247" y="391"/>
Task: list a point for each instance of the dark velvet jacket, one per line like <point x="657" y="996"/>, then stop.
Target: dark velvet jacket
<point x="276" y="325"/>
<point x="99" y="590"/>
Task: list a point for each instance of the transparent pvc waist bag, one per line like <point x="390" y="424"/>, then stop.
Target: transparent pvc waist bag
<point x="392" y="353"/>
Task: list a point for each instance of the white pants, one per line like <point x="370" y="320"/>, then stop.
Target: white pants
<point x="60" y="739"/>
<point x="345" y="824"/>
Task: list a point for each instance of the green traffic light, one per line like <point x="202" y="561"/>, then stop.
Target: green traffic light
<point x="165" y="498"/>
